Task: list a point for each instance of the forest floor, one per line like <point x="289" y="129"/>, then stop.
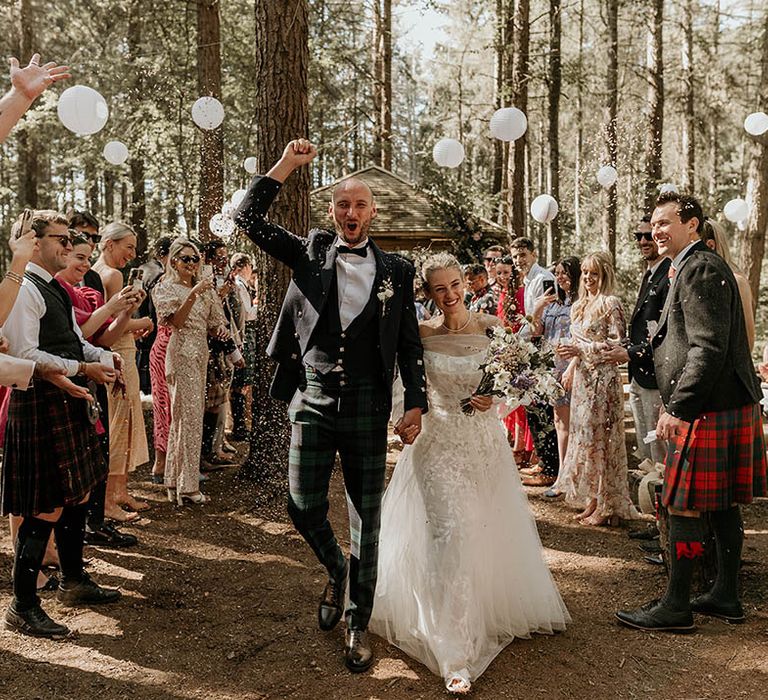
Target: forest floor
<point x="219" y="602"/>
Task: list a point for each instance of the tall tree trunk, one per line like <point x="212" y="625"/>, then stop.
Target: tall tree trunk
<point x="212" y="141"/>
<point x="655" y="125"/>
<point x="689" y="118"/>
<point x="382" y="83"/>
<point x="499" y="49"/>
<point x="139" y="205"/>
<point x="109" y="195"/>
<point x="714" y="113"/>
<point x="609" y="126"/>
<point x="26" y="138"/>
<point x="753" y="247"/>
<point x="553" y="135"/>
<point x="520" y="76"/>
<point x="579" y="125"/>
<point x="282" y="114"/>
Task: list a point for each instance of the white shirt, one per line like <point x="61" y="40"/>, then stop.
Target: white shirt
<point x="22" y="329"/>
<point x="249" y="312"/>
<point x="15" y="372"/>
<point x="354" y="280"/>
<point x="678" y="259"/>
<point x="534" y="288"/>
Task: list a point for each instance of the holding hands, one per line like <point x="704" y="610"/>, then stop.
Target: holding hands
<point x="409" y="426"/>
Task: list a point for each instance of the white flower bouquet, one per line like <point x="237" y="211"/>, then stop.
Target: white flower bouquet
<point x="516" y="371"/>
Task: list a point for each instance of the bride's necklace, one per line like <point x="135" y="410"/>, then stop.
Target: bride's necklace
<point x="458" y="330"/>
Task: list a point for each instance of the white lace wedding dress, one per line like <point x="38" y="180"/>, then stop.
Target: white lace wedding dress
<point x="460" y="562"/>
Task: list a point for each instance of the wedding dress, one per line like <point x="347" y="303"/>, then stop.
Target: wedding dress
<point x="460" y="562"/>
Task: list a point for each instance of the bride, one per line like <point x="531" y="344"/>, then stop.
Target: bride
<point x="461" y="572"/>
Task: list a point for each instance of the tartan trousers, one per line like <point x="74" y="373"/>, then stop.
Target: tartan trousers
<point x="352" y="421"/>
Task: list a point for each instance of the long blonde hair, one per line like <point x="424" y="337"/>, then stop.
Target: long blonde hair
<point x="179" y="244"/>
<point x="713" y="231"/>
<point x="596" y="306"/>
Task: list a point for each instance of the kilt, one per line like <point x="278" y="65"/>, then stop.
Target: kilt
<point x="721" y="461"/>
<point x="52" y="453"/>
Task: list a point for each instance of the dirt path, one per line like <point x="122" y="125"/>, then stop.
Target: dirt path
<point x="220" y="603"/>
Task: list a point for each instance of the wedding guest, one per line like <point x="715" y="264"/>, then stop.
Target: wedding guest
<point x="715" y="238"/>
<point x="541" y="418"/>
<point x="27" y="84"/>
<point x="190" y="307"/>
<point x="161" y="400"/>
<point x="223" y="356"/>
<point x="127" y="436"/>
<point x="716" y="458"/>
<point x="552" y="321"/>
<point x="644" y="396"/>
<point x="86" y="224"/>
<point x="481" y="298"/>
<point x="47" y="475"/>
<point x="510" y="310"/>
<point x="594" y="473"/>
<point x="242" y="268"/>
<point x="151" y="271"/>
<point x="490" y="257"/>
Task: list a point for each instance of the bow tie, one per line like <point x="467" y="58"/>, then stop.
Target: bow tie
<point x="362" y="252"/>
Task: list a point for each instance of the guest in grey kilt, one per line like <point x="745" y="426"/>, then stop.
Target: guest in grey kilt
<point x="348" y="314"/>
<point x="52" y="454"/>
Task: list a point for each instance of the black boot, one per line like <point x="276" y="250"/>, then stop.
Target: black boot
<point x="76" y="586"/>
<point x="673" y="612"/>
<point x="209" y="432"/>
<point x="25" y="614"/>
<point x="237" y="404"/>
<point x="723" y="600"/>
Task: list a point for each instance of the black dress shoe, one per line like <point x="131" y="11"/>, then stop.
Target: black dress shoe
<point x="655" y="559"/>
<point x="650" y="533"/>
<point x="332" y="603"/>
<point x="730" y="612"/>
<point x="33" y="622"/>
<point x="109" y="536"/>
<point x="652" y="547"/>
<point x="358" y="656"/>
<point x="655" y="617"/>
<point x="86" y="592"/>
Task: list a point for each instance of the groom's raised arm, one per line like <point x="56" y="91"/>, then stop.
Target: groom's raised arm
<point x="251" y="214"/>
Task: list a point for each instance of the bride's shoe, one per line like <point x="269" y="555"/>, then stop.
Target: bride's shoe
<point x="458" y="682"/>
<point x="197" y="498"/>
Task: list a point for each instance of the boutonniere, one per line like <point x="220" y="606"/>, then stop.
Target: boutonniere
<point x="385" y="292"/>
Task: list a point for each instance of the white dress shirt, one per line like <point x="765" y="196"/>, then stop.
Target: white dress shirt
<point x="15" y="372"/>
<point x="534" y="288"/>
<point x="22" y="329"/>
<point x="354" y="280"/>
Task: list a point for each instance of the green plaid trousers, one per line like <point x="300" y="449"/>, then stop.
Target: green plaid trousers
<point x="352" y="421"/>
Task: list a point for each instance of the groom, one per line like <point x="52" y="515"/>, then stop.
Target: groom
<point x="347" y="315"/>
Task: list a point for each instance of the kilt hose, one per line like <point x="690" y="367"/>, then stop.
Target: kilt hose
<point x="351" y="421"/>
<point x="719" y="462"/>
<point x="52" y="453"/>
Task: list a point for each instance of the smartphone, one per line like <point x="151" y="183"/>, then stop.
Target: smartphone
<point x="206" y="271"/>
<point x="548" y="286"/>
<point x="135" y="277"/>
<point x="25" y="223"/>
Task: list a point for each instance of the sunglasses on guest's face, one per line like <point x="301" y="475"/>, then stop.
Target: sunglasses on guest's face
<point x="189" y="259"/>
<point x="639" y="235"/>
<point x="94" y="238"/>
<point x="64" y="238"/>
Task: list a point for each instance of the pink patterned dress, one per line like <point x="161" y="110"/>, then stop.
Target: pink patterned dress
<point x="161" y="399"/>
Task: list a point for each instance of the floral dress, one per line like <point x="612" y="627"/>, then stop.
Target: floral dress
<point x="595" y="465"/>
<point x="185" y="371"/>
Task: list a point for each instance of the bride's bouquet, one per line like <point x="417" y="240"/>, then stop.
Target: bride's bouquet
<point x="516" y="371"/>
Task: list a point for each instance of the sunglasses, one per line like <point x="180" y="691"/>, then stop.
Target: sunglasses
<point x="188" y="259"/>
<point x="639" y="235"/>
<point x="92" y="237"/>
<point x="64" y="238"/>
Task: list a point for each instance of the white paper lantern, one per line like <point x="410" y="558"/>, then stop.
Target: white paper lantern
<point x="250" y="164"/>
<point x="736" y="210"/>
<point x="607" y="176"/>
<point x="228" y="209"/>
<point x="221" y="226"/>
<point x="756" y="123"/>
<point x="82" y="110"/>
<point x="237" y="197"/>
<point x="544" y="208"/>
<point x="208" y="113"/>
<point x="508" y="124"/>
<point x="448" y="153"/>
<point x="115" y="152"/>
<point x="668" y="187"/>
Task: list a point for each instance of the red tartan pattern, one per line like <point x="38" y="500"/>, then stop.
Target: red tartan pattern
<point x="721" y="461"/>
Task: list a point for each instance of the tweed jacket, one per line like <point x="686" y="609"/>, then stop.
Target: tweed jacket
<point x="650" y="302"/>
<point x="313" y="262"/>
<point x="700" y="349"/>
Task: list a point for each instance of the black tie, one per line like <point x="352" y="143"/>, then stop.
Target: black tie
<point x="362" y="252"/>
<point x="644" y="285"/>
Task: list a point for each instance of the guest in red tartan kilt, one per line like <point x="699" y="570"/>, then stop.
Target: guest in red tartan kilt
<point x="712" y="422"/>
<point x="52" y="453"/>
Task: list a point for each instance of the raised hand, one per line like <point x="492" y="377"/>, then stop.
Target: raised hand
<point x="32" y="80"/>
<point x="297" y="153"/>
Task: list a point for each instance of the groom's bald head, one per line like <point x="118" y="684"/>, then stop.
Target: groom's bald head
<point x="352" y="209"/>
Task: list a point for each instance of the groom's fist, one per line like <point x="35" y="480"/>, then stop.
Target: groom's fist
<point x="299" y="152"/>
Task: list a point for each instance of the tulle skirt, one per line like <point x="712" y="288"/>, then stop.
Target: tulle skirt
<point x="461" y="572"/>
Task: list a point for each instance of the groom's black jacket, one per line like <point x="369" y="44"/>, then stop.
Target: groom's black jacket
<point x="313" y="261"/>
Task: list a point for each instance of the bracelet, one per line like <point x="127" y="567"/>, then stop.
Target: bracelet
<point x="81" y="369"/>
<point x="14" y="277"/>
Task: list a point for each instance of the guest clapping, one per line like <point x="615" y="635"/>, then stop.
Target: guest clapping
<point x="594" y="474"/>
